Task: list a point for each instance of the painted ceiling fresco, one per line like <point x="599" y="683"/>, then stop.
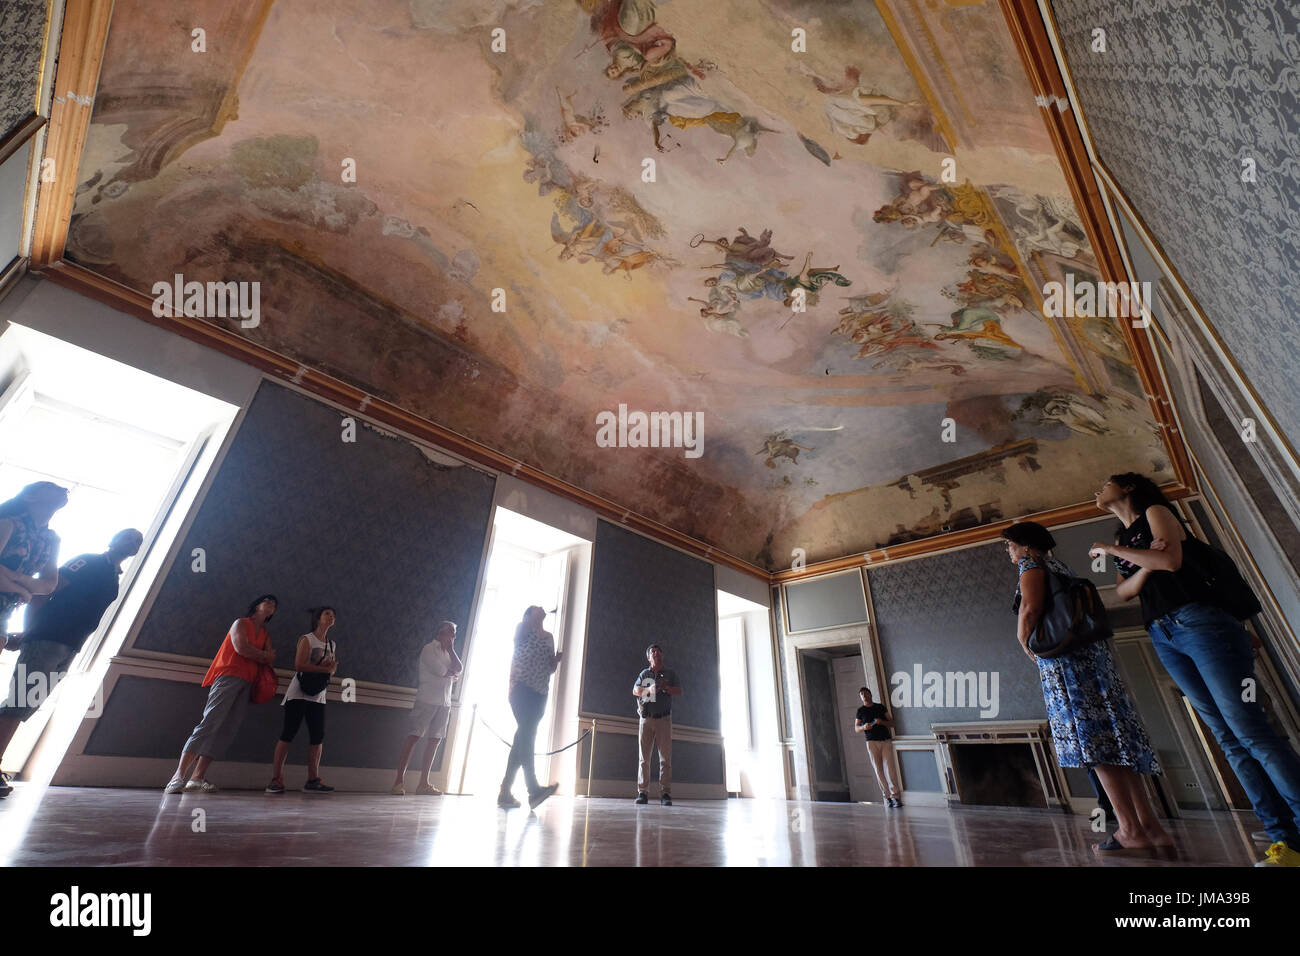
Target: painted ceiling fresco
<point x="778" y="177"/>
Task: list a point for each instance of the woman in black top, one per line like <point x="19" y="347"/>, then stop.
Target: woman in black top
<point x="1205" y="650"/>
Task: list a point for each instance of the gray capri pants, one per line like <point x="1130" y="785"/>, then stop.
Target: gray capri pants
<point x="227" y="705"/>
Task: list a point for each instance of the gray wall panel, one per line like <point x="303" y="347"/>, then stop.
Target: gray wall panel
<point x="643" y="592"/>
<point x="373" y="527"/>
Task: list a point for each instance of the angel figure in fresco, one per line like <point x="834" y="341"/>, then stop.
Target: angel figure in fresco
<point x="855" y="113"/>
<point x="883" y="331"/>
<point x="628" y="30"/>
<point x="779" y="445"/>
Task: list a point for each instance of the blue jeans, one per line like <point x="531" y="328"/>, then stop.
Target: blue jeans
<point x="528" y="706"/>
<point x="1208" y="654"/>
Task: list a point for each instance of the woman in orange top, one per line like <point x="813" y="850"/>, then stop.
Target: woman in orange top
<point x="231" y="676"/>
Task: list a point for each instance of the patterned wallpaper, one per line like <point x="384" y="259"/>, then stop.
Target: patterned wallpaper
<point x="952" y="613"/>
<point x="1187" y="90"/>
<point x="22" y="37"/>
<point x="642" y="593"/>
<point x="388" y="538"/>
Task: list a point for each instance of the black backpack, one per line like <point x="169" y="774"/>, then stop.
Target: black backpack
<point x="1075" y="617"/>
<point x="1211" y="577"/>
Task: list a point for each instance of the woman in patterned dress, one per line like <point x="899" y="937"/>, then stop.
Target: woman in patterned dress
<point x="1094" y="723"/>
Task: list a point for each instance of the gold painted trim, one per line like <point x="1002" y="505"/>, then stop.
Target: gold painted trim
<point x="81" y="53"/>
<point x="914" y="67"/>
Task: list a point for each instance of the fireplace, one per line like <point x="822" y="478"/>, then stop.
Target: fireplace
<point x="1007" y="763"/>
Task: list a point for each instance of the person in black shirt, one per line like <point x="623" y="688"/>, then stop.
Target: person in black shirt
<point x="873" y="721"/>
<point x="58" y="626"/>
<point x="655" y="688"/>
<point x="1205" y="650"/>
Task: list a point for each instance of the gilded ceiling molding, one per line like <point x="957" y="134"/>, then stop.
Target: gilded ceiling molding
<point x="1034" y="44"/>
<point x="81" y="51"/>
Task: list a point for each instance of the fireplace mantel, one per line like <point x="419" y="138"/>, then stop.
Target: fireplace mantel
<point x="1037" y="734"/>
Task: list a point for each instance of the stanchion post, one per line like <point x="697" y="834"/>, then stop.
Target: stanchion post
<point x="591" y="758"/>
<point x="469" y="739"/>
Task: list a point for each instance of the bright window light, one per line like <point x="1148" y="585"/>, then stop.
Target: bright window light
<point x="126" y="445"/>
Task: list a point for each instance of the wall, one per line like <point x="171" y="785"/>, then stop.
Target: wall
<point x="643" y="592"/>
<point x="373" y="527"/>
<point x="1208" y="85"/>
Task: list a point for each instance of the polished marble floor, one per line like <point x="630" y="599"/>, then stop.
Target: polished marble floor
<point x="75" y="826"/>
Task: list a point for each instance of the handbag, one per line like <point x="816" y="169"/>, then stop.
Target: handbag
<point x="312" y="684"/>
<point x="263" y="684"/>
<point x="1075" y="617"/>
<point x="1210" y="576"/>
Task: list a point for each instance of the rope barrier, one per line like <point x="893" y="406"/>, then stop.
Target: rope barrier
<point x="549" y="753"/>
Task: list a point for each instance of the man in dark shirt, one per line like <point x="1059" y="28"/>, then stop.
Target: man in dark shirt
<point x="874" y="722"/>
<point x="57" y="628"/>
<point x="655" y="688"/>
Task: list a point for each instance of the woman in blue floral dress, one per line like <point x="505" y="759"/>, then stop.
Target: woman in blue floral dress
<point x="1094" y="723"/>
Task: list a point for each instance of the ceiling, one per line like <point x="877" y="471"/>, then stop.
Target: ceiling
<point x="920" y="390"/>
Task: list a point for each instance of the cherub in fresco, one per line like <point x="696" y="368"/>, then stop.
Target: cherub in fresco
<point x="777" y="445"/>
<point x="582" y="241"/>
<point x="855" y="113"/>
<point x="573" y="124"/>
<point x="972" y="323"/>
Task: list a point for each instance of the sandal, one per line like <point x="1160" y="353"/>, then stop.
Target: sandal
<point x="1112" y="845"/>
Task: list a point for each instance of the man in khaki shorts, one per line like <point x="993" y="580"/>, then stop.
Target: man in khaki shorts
<point x="439" y="667"/>
<point x="656" y="686"/>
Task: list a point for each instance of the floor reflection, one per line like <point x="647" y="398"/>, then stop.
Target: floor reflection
<point x="86" y="827"/>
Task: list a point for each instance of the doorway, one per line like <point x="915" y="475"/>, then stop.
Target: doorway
<point x="839" y="765"/>
<point x="529" y="563"/>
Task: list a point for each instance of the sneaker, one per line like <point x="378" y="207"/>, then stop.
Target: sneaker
<point x="174" y="785"/>
<point x="642" y="798"/>
<point x="200" y="786"/>
<point x="1279" y="854"/>
<point x="398" y="790"/>
<point x="666" y="799"/>
<point x="889" y="802"/>
<point x="315" y="786"/>
<point x="898" y="802"/>
<point x="538" y="797"/>
<point x="506" y="802"/>
<point x="275" y="786"/>
<point x="428" y="790"/>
